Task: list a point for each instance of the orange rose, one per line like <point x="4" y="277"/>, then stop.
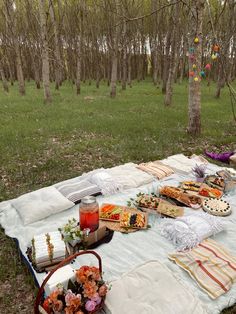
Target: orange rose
<point x="90" y="289"/>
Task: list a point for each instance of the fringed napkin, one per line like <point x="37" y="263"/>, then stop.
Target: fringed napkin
<point x="156" y="168"/>
<point x="188" y="231"/>
<point x="211" y="265"/>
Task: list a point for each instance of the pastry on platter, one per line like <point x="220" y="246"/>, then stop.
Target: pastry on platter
<point x="215" y="182"/>
<point x="217" y="207"/>
<point x="170" y="191"/>
<point x="191" y="186"/>
<point x="193" y="201"/>
<point x="148" y="201"/>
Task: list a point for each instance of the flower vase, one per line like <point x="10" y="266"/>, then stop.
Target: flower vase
<point x="200" y="179"/>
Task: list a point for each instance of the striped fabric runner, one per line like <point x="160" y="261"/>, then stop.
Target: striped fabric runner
<point x="210" y="265"/>
<point x="77" y="190"/>
<point x="156" y="168"/>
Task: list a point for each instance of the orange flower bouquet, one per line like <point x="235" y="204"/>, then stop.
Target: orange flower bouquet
<point x="85" y="295"/>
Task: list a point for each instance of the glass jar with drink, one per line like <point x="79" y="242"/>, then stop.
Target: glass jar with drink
<point x="89" y="213"/>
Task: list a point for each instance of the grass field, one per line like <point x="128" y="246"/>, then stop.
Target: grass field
<point x="43" y="144"/>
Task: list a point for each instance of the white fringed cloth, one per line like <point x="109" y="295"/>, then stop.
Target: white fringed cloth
<point x="188" y="231"/>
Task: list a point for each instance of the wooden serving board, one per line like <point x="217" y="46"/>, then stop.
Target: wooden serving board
<point x="115" y="226"/>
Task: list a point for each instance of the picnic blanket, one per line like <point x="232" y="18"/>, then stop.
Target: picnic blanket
<point x="127" y="251"/>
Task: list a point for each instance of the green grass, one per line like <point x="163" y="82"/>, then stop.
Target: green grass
<point x="43" y="144"/>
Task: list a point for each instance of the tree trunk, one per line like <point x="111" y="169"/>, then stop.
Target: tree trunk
<point x="78" y="71"/>
<point x="114" y="74"/>
<point x="124" y="66"/>
<point x="45" y="55"/>
<point x="166" y="63"/>
<point x="173" y="61"/>
<point x="220" y="82"/>
<point x="57" y="48"/>
<point x="4" y="81"/>
<point x="194" y="100"/>
<point x="19" y="70"/>
<point x="129" y="69"/>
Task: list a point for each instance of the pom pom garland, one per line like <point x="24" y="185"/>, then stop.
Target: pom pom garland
<point x="216" y="48"/>
<point x="214" y="56"/>
<point x="208" y="66"/>
<point x="196" y="40"/>
<point x="202" y="74"/>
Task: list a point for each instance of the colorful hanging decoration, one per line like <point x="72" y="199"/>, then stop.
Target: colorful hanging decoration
<point x="214" y="56"/>
<point x="198" y="76"/>
<point x="202" y="74"/>
<point x="216" y="48"/>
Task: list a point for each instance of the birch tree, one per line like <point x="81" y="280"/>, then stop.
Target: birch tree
<point x="195" y="41"/>
<point x="45" y="53"/>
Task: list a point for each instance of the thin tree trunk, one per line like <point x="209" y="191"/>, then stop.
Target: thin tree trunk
<point x="166" y="63"/>
<point x="57" y="48"/>
<point x="173" y="61"/>
<point x="45" y="55"/>
<point x="12" y="28"/>
<point x="19" y="70"/>
<point x="129" y="69"/>
<point x="220" y="82"/>
<point x="124" y="66"/>
<point x="10" y="72"/>
<point x="194" y="101"/>
<point x="78" y="71"/>
<point x="114" y="74"/>
<point x="4" y="81"/>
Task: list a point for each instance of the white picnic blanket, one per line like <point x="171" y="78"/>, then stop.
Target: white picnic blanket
<point x="127" y="251"/>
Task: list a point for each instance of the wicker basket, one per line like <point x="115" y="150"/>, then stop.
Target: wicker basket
<point x="38" y="309"/>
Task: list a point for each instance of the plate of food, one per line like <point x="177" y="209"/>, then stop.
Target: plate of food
<point x="110" y="212"/>
<point x="209" y="192"/>
<point x="217" y="207"/>
<point x="129" y="219"/>
<point x="170" y="210"/>
<point x="191" y="186"/>
<point x="215" y="182"/>
<point x="180" y="195"/>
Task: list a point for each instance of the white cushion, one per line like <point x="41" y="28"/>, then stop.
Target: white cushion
<point x="40" y="204"/>
<point x="151" y="289"/>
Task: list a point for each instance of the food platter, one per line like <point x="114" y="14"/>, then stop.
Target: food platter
<point x="217" y="207"/>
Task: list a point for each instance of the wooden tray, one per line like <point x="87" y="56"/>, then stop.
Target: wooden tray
<point x="115" y="226"/>
<point x="107" y="204"/>
<point x="140" y="213"/>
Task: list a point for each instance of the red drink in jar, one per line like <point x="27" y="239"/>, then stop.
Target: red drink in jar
<point x="89" y="213"/>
